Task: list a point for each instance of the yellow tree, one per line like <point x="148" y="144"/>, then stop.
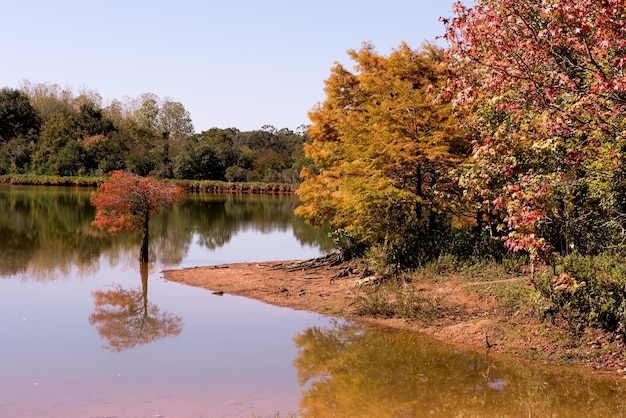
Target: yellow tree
<point x="383" y="143"/>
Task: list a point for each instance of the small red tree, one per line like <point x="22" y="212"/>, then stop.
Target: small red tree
<point x="126" y="202"/>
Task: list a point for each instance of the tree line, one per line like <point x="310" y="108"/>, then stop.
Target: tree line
<point x="49" y="130"/>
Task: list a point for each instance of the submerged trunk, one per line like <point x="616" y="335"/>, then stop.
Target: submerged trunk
<point x="143" y="255"/>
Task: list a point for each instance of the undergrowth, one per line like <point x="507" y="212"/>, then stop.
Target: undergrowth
<point x="398" y="299"/>
<point x="584" y="291"/>
<point x="579" y="296"/>
<point x="405" y="295"/>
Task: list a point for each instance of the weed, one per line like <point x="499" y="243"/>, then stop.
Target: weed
<point x="398" y="299"/>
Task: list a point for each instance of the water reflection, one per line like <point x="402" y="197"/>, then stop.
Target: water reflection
<point x="67" y="289"/>
<point x="125" y="318"/>
<point x="52" y="355"/>
<point x="46" y="232"/>
<point x="347" y="371"/>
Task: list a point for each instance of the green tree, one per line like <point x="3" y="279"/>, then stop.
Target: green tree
<point x="198" y="161"/>
<point x="16" y="155"/>
<point x="90" y="121"/>
<point x="175" y="121"/>
<point x="70" y="160"/>
<point x="207" y="155"/>
<point x="147" y="114"/>
<point x="17" y="116"/>
<point x="55" y="134"/>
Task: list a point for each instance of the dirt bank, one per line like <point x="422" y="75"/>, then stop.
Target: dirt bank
<point x="464" y="314"/>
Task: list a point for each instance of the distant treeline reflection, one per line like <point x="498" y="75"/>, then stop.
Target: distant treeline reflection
<point x="45" y="230"/>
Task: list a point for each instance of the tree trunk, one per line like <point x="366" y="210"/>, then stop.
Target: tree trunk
<point x="143" y="268"/>
<point x="143" y="256"/>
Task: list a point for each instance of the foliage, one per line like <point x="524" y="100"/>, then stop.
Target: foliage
<point x="55" y="131"/>
<point x="347" y="246"/>
<point x="37" y="180"/>
<point x="16" y="154"/>
<point x="586" y="291"/>
<point x="544" y="86"/>
<point x="398" y="299"/>
<point x="472" y="244"/>
<point x="383" y="144"/>
<point x="17" y="116"/>
<point x="200" y="160"/>
<point x="126" y="202"/>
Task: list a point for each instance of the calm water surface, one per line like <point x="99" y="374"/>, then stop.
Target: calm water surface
<point x="88" y="332"/>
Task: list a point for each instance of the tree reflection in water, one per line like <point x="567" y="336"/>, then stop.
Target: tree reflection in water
<point x="46" y="232"/>
<point x="348" y="370"/>
<point x="125" y="318"/>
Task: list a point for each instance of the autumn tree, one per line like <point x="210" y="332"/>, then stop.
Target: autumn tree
<point x="383" y="143"/>
<point x="545" y="84"/>
<point x="49" y="100"/>
<point x="126" y="202"/>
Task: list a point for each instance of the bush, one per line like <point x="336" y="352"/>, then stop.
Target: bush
<point x="347" y="245"/>
<point x="398" y="299"/>
<point x="585" y="291"/>
<point x="473" y="244"/>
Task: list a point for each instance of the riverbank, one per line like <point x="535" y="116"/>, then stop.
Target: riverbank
<point x="192" y="186"/>
<point x="480" y="310"/>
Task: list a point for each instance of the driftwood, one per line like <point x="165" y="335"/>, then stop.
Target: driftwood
<point x="330" y="260"/>
<point x="343" y="269"/>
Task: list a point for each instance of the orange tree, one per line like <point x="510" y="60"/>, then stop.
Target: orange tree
<point x="126" y="202"/>
<point x="383" y="144"/>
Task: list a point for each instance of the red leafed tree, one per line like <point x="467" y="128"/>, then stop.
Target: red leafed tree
<point x="545" y="85"/>
<point x="126" y="202"/>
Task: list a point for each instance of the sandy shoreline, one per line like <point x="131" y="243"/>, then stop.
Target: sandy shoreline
<point x="327" y="289"/>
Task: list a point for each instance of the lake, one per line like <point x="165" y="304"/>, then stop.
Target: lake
<point x="88" y="332"/>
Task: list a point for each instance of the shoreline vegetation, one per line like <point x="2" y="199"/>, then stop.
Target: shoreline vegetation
<point x="192" y="186"/>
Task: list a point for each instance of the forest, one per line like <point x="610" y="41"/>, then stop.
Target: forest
<point x="511" y="139"/>
<point x="49" y="130"/>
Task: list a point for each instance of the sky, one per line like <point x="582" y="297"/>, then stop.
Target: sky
<point x="231" y="63"/>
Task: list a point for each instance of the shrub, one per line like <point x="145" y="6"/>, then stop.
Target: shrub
<point x="347" y="245"/>
<point x="585" y="291"/>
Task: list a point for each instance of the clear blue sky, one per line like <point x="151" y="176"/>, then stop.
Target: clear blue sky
<point x="231" y="63"/>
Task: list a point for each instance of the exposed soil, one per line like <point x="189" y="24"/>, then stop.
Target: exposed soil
<point x="460" y="315"/>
